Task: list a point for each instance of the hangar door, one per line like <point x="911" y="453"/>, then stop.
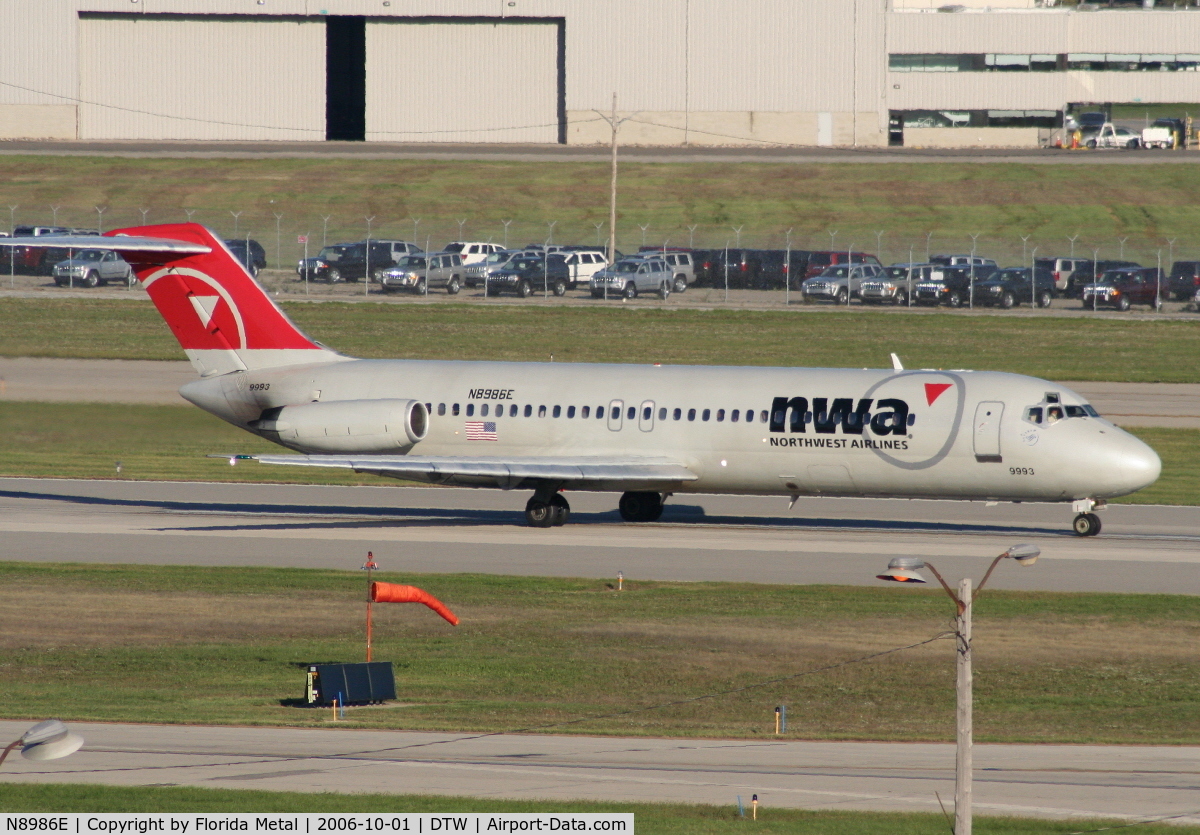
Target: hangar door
<point x="475" y="81"/>
<point x="144" y="76"/>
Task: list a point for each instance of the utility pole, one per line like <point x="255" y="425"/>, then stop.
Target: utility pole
<point x="612" y="195"/>
<point x="964" y="690"/>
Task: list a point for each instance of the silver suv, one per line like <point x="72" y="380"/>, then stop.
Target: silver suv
<point x="91" y="268"/>
<point x="420" y="273"/>
<point x="895" y="285"/>
<point x="631" y="276"/>
<point x="681" y="265"/>
<point x="839" y="283"/>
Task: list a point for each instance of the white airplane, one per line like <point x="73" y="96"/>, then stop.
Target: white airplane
<point x="648" y="431"/>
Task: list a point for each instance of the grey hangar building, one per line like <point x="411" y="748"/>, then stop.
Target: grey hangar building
<point x="865" y="73"/>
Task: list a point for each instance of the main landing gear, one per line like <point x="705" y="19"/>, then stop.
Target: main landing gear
<point x="1086" y="523"/>
<point x="547" y="510"/>
<point x="641" y="506"/>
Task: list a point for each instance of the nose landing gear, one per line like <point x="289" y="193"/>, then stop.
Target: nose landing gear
<point x="1086" y="524"/>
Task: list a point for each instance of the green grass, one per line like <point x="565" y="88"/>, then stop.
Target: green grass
<point x="194" y="645"/>
<point x="1148" y="203"/>
<point x="85" y="440"/>
<point x="649" y="818"/>
<point x="1058" y="349"/>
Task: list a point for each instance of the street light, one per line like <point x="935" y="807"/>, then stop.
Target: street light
<point x="46" y="740"/>
<point x="905" y="570"/>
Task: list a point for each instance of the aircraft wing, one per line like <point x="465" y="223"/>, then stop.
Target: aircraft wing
<point x="595" y="472"/>
<point x="121" y="243"/>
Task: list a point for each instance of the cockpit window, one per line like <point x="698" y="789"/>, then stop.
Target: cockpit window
<point x="1051" y="411"/>
<point x="1034" y="414"/>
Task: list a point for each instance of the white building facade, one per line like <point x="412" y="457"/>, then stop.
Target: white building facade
<point x="694" y="72"/>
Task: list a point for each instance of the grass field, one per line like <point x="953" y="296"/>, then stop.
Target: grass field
<point x="1149" y="204"/>
<point x="85" y="440"/>
<point x="182" y="644"/>
<point x="649" y="818"/>
<point x="1059" y="349"/>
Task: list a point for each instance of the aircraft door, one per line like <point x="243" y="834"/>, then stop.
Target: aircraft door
<point x="646" y="416"/>
<point x="615" y="413"/>
<point x="987" y="431"/>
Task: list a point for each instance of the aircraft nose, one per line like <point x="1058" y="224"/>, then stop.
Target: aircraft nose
<point x="1138" y="464"/>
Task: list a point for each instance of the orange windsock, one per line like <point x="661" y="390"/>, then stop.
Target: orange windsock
<point x="393" y="593"/>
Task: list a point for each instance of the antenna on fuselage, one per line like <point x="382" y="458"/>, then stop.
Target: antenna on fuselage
<point x="896" y="364"/>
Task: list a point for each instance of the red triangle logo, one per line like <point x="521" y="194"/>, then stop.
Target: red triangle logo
<point x="934" y="390"/>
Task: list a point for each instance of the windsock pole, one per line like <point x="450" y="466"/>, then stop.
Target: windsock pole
<point x="369" y="566"/>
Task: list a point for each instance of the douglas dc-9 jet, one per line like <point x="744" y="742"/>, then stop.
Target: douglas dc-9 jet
<point x="647" y="431"/>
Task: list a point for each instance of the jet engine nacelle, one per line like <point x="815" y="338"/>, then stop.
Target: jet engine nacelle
<point x="363" y="426"/>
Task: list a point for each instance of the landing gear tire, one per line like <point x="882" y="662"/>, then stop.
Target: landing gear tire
<point x="640" y="506"/>
<point x="1086" y="524"/>
<point x="560" y="510"/>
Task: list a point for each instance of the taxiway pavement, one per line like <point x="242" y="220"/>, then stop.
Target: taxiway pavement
<point x="1152" y="549"/>
<point x="1052" y="781"/>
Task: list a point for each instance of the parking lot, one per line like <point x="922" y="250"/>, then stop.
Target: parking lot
<point x="285" y="286"/>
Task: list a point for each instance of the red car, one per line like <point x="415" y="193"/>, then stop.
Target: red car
<point x="1125" y="287"/>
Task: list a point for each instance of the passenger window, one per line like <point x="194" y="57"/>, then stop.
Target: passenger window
<point x="441" y="409"/>
<point x="570" y="411"/>
<point x="646" y="412"/>
<point x="662" y="413"/>
<point x="733" y="416"/>
<point x="454" y="410"/>
<point x="470" y="409"/>
<point x="631" y="413"/>
<point x="704" y="415"/>
<point x="558" y="411"/>
<point x="541" y="411"/>
<point x="720" y="415"/>
<point x="585" y="412"/>
<point x="691" y="414"/>
<point x="599" y="413"/>
<point x="483" y="410"/>
<point x="762" y="418"/>
<point x="528" y="410"/>
<point x="677" y="414"/>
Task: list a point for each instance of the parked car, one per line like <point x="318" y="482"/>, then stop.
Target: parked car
<point x="1109" y="135"/>
<point x="1013" y="286"/>
<point x="326" y="264"/>
<point x="35" y="260"/>
<point x="1061" y="269"/>
<point x="473" y="252"/>
<point x="953" y="287"/>
<point x="1087" y="271"/>
<point x="818" y="260"/>
<point x="526" y="274"/>
<point x="583" y="264"/>
<point x="1184" y="280"/>
<point x="631" y="276"/>
<point x="739" y="268"/>
<point x="92" y="268"/>
<point x="839" y="283"/>
<point x="1122" y="288"/>
<point x="258" y="256"/>
<point x="781" y="267"/>
<point x="962" y="260"/>
<point x="424" y="272"/>
<point x="475" y="275"/>
<point x="682" y="263"/>
<point x="896" y="283"/>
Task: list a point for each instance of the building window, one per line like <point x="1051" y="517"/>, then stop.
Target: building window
<point x="1046" y="62"/>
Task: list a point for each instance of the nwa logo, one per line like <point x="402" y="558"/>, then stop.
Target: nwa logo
<point x="891" y="417"/>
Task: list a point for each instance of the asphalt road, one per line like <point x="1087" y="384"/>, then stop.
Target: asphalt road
<point x="767" y="153"/>
<point x="144" y="381"/>
<point x="1151" y="549"/>
<point x="1055" y="781"/>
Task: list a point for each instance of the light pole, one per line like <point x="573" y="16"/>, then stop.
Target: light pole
<point x="46" y="740"/>
<point x="787" y="269"/>
<point x="904" y="570"/>
<point x="971" y="294"/>
<point x="367" y="261"/>
<point x="1033" y="277"/>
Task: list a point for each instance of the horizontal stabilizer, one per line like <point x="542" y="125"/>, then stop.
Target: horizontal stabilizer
<point x="120" y="243"/>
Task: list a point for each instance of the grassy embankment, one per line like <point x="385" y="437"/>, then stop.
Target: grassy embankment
<point x="184" y="644"/>
<point x="1148" y="204"/>
<point x="649" y="818"/>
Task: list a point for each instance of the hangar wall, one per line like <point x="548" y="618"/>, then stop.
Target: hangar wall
<point x="792" y="72"/>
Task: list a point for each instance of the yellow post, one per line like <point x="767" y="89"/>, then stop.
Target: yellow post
<point x="754" y="808"/>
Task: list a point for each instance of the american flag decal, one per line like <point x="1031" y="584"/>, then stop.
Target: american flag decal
<point x="479" y="430"/>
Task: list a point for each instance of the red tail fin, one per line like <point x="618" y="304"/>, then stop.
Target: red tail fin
<point x="221" y="316"/>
